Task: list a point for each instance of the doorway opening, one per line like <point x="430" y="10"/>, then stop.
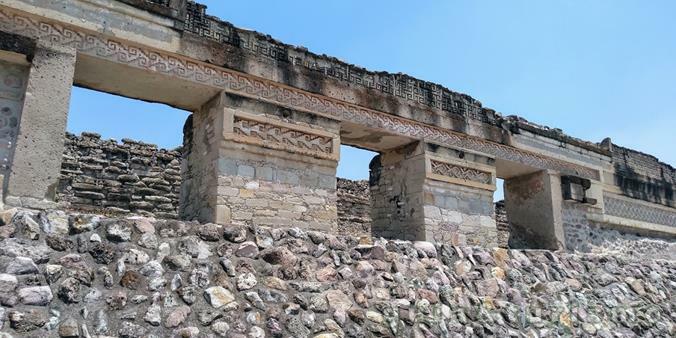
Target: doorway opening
<point x="121" y="155"/>
<point x="354" y="199"/>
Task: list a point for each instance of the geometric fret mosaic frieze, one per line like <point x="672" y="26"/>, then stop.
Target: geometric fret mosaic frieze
<point x="463" y="173"/>
<point x="282" y="136"/>
<point x="636" y="211"/>
<point x="96" y="45"/>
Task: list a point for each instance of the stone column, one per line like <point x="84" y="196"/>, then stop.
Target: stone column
<point x="36" y="161"/>
<point x="262" y="164"/>
<point x="427" y="192"/>
<point x="533" y="204"/>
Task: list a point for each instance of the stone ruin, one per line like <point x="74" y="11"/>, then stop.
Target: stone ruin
<point x="239" y="232"/>
<point x="262" y="144"/>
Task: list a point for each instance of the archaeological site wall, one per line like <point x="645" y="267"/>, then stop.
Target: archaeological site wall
<point x="354" y="207"/>
<point x="117" y="178"/>
<point x="263" y="141"/>
<point x="76" y="275"/>
<point x="132" y="177"/>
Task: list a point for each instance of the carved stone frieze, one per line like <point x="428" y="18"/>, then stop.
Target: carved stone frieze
<point x="250" y="86"/>
<point x="463" y="173"/>
<point x="276" y="136"/>
<point x="623" y="207"/>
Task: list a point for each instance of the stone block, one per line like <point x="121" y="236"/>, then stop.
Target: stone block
<point x="432" y="212"/>
<point x="256" y="203"/>
<point x="227" y="191"/>
<point x="241" y="215"/>
<point x="246" y="193"/>
<point x="223" y="214"/>
<point x="227" y="166"/>
<point x="327" y="182"/>
<point x="265" y="173"/>
<point x="246" y="171"/>
<point x="288" y="177"/>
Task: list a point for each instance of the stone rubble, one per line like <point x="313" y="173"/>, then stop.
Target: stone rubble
<point x="139" y="277"/>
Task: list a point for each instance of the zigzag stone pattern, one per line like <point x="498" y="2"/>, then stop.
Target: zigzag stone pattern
<point x="283" y="136"/>
<point x="626" y="209"/>
<point x="469" y="174"/>
<point x="250" y="86"/>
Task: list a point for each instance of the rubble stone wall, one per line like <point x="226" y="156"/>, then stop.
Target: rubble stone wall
<point x="135" y="177"/>
<point x="111" y="177"/>
<point x="73" y="275"/>
<point x="354" y="207"/>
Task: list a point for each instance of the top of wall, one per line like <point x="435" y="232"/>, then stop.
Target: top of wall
<point x="629" y="162"/>
<point x="399" y="86"/>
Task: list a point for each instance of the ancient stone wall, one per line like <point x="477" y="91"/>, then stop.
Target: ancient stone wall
<point x="354" y="207"/>
<point x="584" y="235"/>
<point x="502" y="224"/>
<point x="643" y="176"/>
<point x="119" y="178"/>
<point x="265" y="165"/>
<point x="73" y="275"/>
<point x="396" y="205"/>
<point x="129" y="177"/>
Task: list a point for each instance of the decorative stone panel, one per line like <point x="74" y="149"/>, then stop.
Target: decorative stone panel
<point x="274" y="134"/>
<point x="269" y="91"/>
<point x="461" y="172"/>
<point x="624" y="207"/>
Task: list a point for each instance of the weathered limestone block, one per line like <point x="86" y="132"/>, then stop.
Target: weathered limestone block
<point x="424" y="192"/>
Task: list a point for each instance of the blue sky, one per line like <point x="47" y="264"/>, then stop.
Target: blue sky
<point x="604" y="68"/>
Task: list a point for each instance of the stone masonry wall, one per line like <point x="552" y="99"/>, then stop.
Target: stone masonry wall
<point x="459" y="214"/>
<point x="129" y="177"/>
<point x="98" y="175"/>
<point x="354" y="207"/>
<point x="250" y="162"/>
<point x="502" y="224"/>
<point x="75" y="275"/>
<point x="643" y="176"/>
<point x="260" y="193"/>
<point x="584" y="235"/>
<point x="396" y="198"/>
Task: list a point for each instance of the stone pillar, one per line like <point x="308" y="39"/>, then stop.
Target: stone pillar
<point x="427" y="192"/>
<point x="533" y="204"/>
<point x="13" y="78"/>
<point x="261" y="164"/>
<point x="36" y="161"/>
